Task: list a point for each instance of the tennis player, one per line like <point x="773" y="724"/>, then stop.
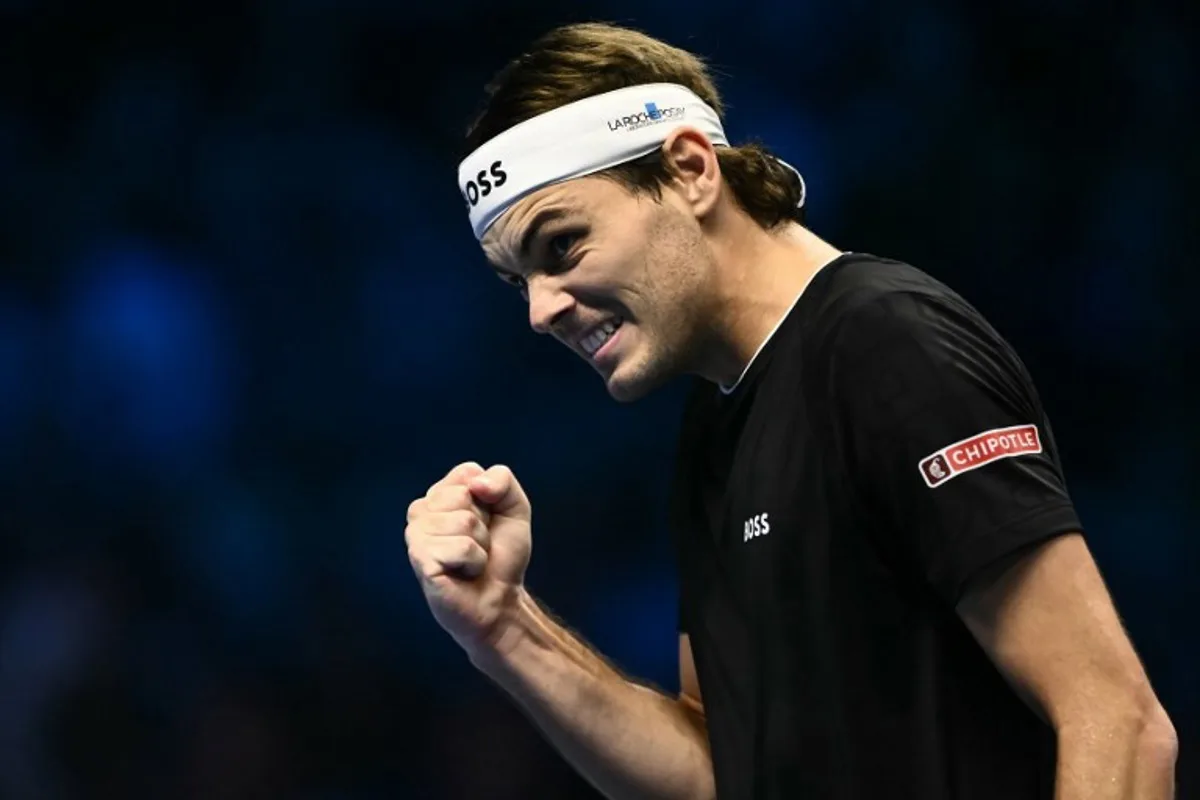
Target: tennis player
<point x="885" y="589"/>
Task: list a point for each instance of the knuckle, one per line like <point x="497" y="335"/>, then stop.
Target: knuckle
<point x="448" y="497"/>
<point x="461" y="473"/>
<point x="483" y="533"/>
<point x="415" y="508"/>
<point x="413" y="538"/>
<point x="479" y="531"/>
<point x="458" y="496"/>
<point x="463" y="522"/>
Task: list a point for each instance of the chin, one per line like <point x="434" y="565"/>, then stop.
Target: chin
<point x="633" y="383"/>
<point x="625" y="393"/>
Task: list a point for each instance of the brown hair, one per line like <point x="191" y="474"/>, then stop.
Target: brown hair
<point x="572" y="62"/>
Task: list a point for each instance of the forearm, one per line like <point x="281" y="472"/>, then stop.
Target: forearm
<point x="627" y="740"/>
<point x="1117" y="757"/>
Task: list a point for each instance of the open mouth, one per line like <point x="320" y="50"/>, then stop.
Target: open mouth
<point x="599" y="335"/>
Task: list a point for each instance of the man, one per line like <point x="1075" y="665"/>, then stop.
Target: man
<point x="885" y="589"/>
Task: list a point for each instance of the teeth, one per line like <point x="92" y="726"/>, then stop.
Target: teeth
<point x="596" y="339"/>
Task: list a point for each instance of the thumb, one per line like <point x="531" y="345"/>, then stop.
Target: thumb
<point x="498" y="488"/>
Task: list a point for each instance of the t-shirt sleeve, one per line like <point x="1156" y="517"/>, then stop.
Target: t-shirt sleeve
<point x="944" y="437"/>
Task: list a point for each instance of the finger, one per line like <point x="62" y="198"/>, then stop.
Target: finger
<point x="463" y="473"/>
<point x="455" y="556"/>
<point x="416" y="508"/>
<point x="450" y="523"/>
<point x="445" y="497"/>
<point x="499" y="489"/>
<point x="449" y="497"/>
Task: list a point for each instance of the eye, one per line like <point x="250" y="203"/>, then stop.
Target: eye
<point x="560" y="244"/>
<point x="558" y="250"/>
<point x="512" y="279"/>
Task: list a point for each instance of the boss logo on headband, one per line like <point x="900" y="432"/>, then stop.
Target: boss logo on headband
<point x="492" y="178"/>
<point x="651" y="116"/>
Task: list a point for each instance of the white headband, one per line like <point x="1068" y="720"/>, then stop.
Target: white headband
<point x="578" y="139"/>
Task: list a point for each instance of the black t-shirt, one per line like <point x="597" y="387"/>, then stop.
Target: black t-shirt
<point x="884" y="447"/>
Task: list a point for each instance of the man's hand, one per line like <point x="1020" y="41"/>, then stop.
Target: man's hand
<point x="469" y="542"/>
<point x="1048" y="624"/>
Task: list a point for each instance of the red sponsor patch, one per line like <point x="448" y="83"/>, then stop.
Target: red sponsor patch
<point x="974" y="452"/>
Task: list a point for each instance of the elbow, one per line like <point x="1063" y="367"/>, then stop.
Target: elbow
<point x="1137" y="720"/>
<point x="1158" y="743"/>
<point x="1129" y="712"/>
<point x="1157" y="740"/>
<point x="705" y="788"/>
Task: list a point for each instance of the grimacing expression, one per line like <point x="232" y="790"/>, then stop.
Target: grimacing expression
<point x="619" y="277"/>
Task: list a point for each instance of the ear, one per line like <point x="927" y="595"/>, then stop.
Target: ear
<point x="696" y="169"/>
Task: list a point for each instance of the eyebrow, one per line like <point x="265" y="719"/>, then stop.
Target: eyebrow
<point x="502" y="272"/>
<point x="540" y="220"/>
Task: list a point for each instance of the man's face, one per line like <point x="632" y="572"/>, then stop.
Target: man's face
<point x="620" y="278"/>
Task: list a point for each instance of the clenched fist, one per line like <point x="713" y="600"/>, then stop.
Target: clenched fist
<point x="469" y="543"/>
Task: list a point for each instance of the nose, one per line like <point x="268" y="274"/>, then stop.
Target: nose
<point x="547" y="303"/>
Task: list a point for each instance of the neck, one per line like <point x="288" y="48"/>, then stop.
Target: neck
<point x="759" y="276"/>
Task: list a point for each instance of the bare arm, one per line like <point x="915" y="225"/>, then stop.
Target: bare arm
<point x="626" y="739"/>
<point x="1050" y="627"/>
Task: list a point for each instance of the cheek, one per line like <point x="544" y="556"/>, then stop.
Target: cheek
<point x="670" y="267"/>
<point x="637" y="258"/>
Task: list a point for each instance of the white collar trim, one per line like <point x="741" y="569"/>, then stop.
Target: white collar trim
<point x="778" y="325"/>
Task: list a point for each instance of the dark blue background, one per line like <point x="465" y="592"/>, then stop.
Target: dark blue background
<point x="243" y="323"/>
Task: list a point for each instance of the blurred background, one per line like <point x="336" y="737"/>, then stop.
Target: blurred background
<point x="243" y="323"/>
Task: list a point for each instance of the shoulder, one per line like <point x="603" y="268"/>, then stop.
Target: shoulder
<point x="859" y="286"/>
<point x="907" y="347"/>
<point x="870" y="304"/>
